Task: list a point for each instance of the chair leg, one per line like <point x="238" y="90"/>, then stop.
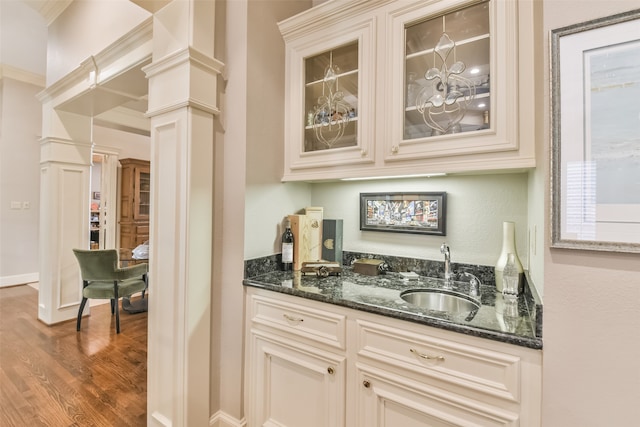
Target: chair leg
<point x="112" y="306"/>
<point x="146" y="281"/>
<point x="82" y="304"/>
<point x="115" y="293"/>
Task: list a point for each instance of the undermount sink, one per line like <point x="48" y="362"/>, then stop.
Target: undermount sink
<point x="440" y="300"/>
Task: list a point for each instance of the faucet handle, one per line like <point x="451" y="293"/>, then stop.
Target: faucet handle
<point x="474" y="284"/>
<point x="444" y="249"/>
<point x="474" y="281"/>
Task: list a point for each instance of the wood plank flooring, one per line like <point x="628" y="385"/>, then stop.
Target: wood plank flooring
<point x="54" y="376"/>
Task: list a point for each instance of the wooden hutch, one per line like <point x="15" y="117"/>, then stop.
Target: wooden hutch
<point x="135" y="186"/>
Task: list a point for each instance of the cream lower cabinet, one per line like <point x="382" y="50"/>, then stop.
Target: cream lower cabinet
<point x="315" y="364"/>
<point x="411" y="378"/>
<point x="296" y="365"/>
<point x="387" y="400"/>
<point x="296" y="385"/>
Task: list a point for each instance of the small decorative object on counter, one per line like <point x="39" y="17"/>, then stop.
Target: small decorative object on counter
<point x="508" y="247"/>
<point x="321" y="269"/>
<point x="369" y="267"/>
<point x="287" y="247"/>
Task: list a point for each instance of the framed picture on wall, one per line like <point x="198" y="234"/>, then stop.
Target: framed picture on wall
<point x="95" y="195"/>
<point x="596" y="134"/>
<point x="421" y="213"/>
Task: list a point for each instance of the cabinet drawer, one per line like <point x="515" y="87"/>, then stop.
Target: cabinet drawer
<point x="470" y="367"/>
<point x="306" y="322"/>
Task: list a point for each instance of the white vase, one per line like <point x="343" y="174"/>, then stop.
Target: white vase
<point x="508" y="246"/>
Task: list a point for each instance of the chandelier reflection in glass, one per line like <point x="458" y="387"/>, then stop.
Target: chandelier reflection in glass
<point x="443" y="103"/>
<point x="332" y="114"/>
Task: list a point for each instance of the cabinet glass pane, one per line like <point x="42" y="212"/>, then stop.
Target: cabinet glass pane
<point x="331" y="99"/>
<point x="145" y="194"/>
<point x="447" y="75"/>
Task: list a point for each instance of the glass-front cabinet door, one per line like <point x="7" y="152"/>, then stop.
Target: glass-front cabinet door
<point x="447" y="73"/>
<point x="329" y="99"/>
<point x="454" y="84"/>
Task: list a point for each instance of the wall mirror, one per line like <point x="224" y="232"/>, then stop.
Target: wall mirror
<point x="595" y="184"/>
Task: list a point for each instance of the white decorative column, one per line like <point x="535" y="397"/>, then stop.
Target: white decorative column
<point x="65" y="159"/>
<point x="182" y="107"/>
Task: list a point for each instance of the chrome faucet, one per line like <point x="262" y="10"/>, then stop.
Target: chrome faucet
<point x="444" y="249"/>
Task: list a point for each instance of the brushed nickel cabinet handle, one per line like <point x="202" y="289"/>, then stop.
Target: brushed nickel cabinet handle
<point x="427" y="356"/>
<point x="330" y="370"/>
<point x="293" y="319"/>
<point x="366" y="384"/>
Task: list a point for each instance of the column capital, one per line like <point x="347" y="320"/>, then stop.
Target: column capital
<point x="185" y="78"/>
<point x="60" y="150"/>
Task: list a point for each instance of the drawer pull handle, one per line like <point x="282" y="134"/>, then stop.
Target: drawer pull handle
<point x="426" y="356"/>
<point x="293" y="319"/>
<point x="330" y="370"/>
<point x="366" y="384"/>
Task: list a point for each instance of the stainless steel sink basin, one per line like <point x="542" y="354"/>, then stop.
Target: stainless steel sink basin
<point x="440" y="300"/>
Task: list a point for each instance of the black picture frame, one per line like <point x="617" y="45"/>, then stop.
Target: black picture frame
<point x="400" y="212"/>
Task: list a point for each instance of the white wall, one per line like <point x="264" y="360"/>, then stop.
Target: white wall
<point x="20" y="125"/>
<point x="268" y="201"/>
<point x="591" y="359"/>
<point x="20" y="22"/>
<point x="476" y="207"/>
<point x="22" y="67"/>
<point x="249" y="165"/>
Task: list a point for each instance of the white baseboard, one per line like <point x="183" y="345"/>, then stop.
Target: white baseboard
<point x="19" y="279"/>
<point x="221" y="419"/>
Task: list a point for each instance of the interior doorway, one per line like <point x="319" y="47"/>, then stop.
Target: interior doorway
<point x="103" y="199"/>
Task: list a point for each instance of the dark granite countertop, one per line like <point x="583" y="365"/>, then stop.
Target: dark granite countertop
<point x="498" y="319"/>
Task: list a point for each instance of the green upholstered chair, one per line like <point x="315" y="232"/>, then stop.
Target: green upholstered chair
<point x="103" y="279"/>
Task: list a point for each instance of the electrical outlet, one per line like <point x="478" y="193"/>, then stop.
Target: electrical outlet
<point x="26" y="205"/>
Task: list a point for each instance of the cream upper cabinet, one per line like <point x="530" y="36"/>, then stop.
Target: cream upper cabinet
<point x="381" y="87"/>
<point x="330" y="75"/>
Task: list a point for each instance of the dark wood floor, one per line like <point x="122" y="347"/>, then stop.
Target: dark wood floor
<point x="54" y="376"/>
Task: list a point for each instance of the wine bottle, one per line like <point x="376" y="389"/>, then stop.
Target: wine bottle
<point x="287" y="247"/>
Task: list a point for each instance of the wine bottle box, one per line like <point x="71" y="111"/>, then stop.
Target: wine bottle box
<point x="314" y="217"/>
<point x="301" y="229"/>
